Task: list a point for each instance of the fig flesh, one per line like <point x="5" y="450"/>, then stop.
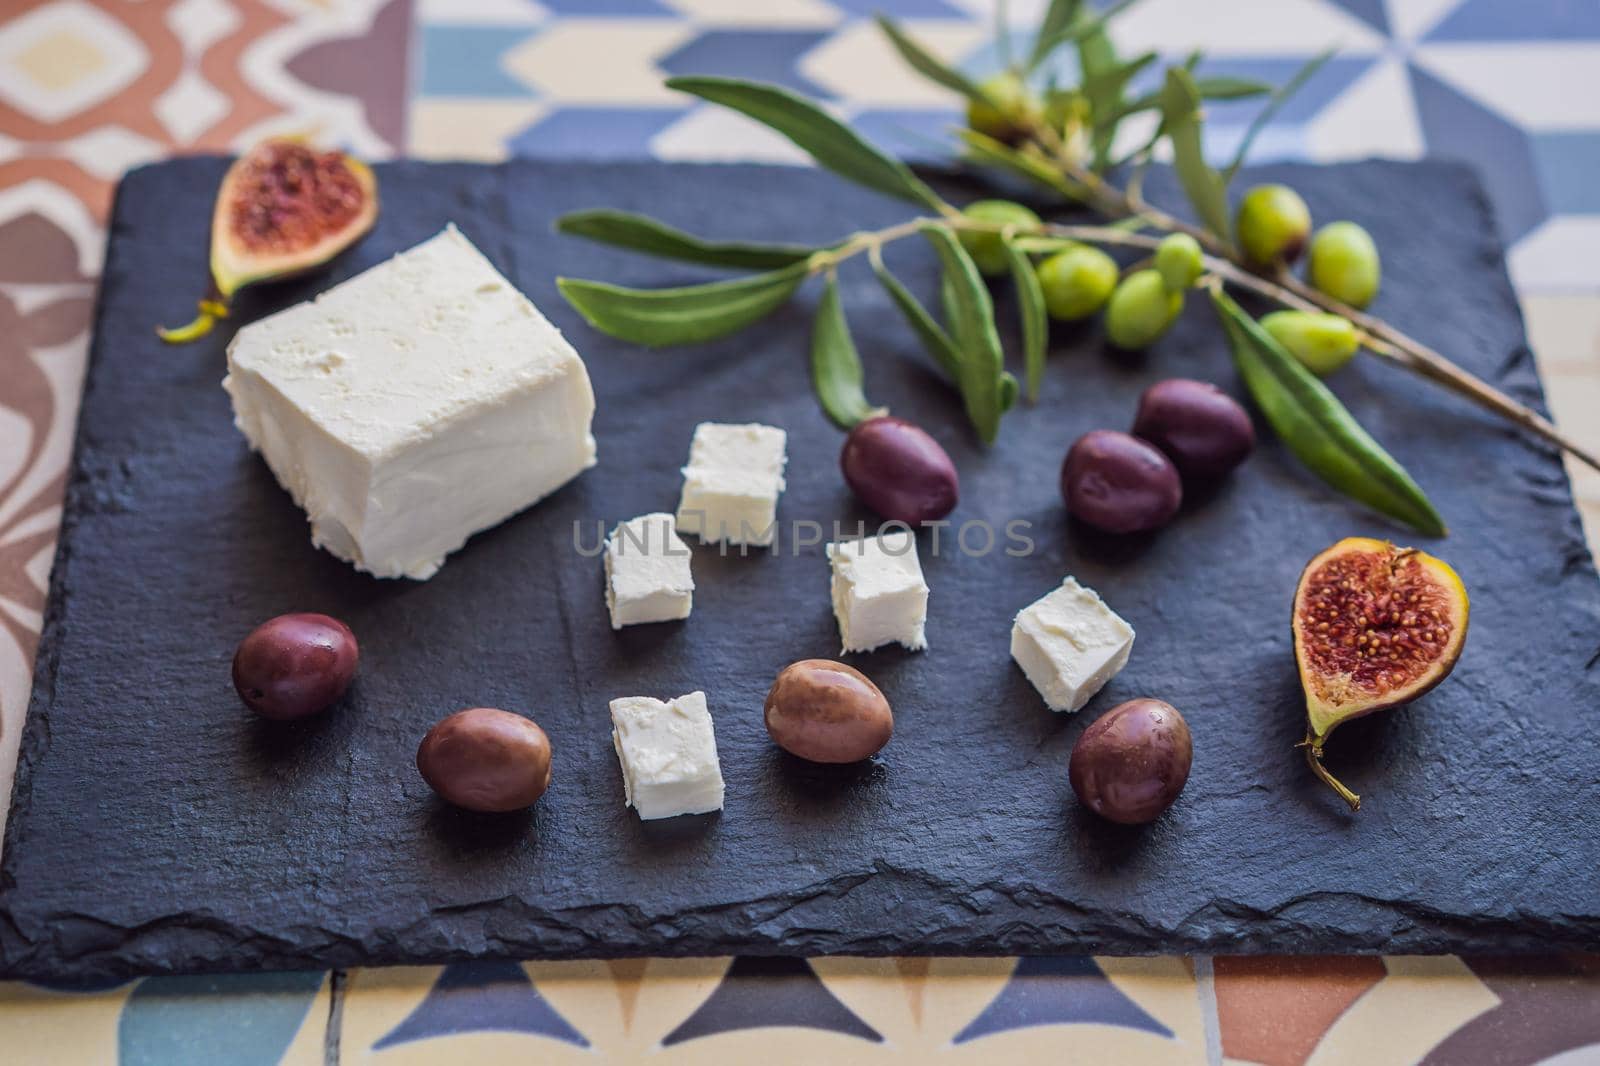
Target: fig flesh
<point x="283" y="208"/>
<point x="1375" y="626"/>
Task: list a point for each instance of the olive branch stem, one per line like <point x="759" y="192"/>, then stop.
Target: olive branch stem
<point x="1377" y="336"/>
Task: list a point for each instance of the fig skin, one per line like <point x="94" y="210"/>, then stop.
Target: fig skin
<point x="1203" y="430"/>
<point x="897" y="469"/>
<point x="1386" y="598"/>
<point x="1119" y="483"/>
<point x="1132" y="762"/>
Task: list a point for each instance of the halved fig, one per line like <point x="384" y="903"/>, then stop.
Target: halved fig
<point x="1375" y="626"/>
<point x="284" y="208"/>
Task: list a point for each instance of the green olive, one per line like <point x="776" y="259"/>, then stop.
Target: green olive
<point x="1140" y="310"/>
<point x="1272" y="224"/>
<point x="987" y="248"/>
<point x="1006" y="112"/>
<point x="1323" y="343"/>
<point x="1077" y="282"/>
<point x="1344" y="263"/>
<point x="1179" y="261"/>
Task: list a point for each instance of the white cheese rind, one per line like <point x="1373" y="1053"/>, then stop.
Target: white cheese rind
<point x="647" y="572"/>
<point x="732" y="483"/>
<point x="879" y="595"/>
<point x="1069" y="644"/>
<point x="414" y="405"/>
<point x="668" y="753"/>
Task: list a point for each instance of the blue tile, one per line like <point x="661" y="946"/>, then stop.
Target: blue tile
<point x="245" y="1019"/>
<point x="1059" y="990"/>
<point x="765" y="55"/>
<point x="1569" y="164"/>
<point x="1456" y="126"/>
<point x="902" y="9"/>
<point x="594" y="133"/>
<point x="611" y="8"/>
<point x="920" y="134"/>
<point x="477" y="997"/>
<point x="1523" y="20"/>
<point x="757" y="993"/>
<point x="1372" y="12"/>
<point x="465" y="61"/>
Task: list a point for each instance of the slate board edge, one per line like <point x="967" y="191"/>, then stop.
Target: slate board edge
<point x="162" y="947"/>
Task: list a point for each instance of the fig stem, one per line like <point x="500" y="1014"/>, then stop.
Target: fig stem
<point x="210" y="311"/>
<point x="1313" y="746"/>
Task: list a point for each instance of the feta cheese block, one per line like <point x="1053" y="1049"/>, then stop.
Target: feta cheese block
<point x="1070" y="644"/>
<point x="879" y="596"/>
<point x="647" y="572"/>
<point x="732" y="482"/>
<point x="668" y="754"/>
<point x="412" y="406"/>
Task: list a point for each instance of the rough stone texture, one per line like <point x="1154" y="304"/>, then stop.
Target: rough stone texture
<point x="158" y="827"/>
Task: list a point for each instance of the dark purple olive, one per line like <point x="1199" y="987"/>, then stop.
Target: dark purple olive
<point x="896" y="469"/>
<point x="1119" y="484"/>
<point x="294" y="665"/>
<point x="1132" y="761"/>
<point x="486" y="759"/>
<point x="1202" y="429"/>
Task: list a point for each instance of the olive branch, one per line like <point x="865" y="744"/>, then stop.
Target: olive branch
<point x="1061" y="141"/>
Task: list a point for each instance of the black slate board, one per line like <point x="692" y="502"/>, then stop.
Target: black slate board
<point x="158" y="827"/>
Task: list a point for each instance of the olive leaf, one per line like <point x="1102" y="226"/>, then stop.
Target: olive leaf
<point x="658" y="318"/>
<point x="1317" y="428"/>
<point x="835" y="364"/>
<point x="971" y="318"/>
<point x="1035" y="322"/>
<point x="827" y="140"/>
<point x="1079" y="29"/>
<point x="986" y="149"/>
<point x="1211" y="87"/>
<point x="1279" y="97"/>
<point x="1180" y="109"/>
<point x="1009" y="390"/>
<point x="929" y="332"/>
<point x="926" y="64"/>
<point x="641" y="233"/>
<point x="1060" y="15"/>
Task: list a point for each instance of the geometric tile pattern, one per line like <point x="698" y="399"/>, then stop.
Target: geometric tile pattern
<point x="89" y="88"/>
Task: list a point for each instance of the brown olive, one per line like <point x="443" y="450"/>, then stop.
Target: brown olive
<point x="1132" y="761"/>
<point x="827" y="712"/>
<point x="295" y="665"/>
<point x="485" y="759"/>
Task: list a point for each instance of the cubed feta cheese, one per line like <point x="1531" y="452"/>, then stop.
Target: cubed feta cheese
<point x="878" y="593"/>
<point x="668" y="754"/>
<point x="412" y="406"/>
<point x="1070" y="644"/>
<point x="732" y="482"/>
<point x="647" y="572"/>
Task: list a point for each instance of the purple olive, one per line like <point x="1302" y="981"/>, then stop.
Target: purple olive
<point x="1202" y="429"/>
<point x="295" y="665"/>
<point x="1131" y="763"/>
<point x="486" y="759"/>
<point x="1119" y="483"/>
<point x="896" y="469"/>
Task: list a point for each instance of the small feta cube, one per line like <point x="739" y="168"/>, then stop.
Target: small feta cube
<point x="668" y="754"/>
<point x="732" y="482"/>
<point x="879" y="596"/>
<point x="1070" y="644"/>
<point x="412" y="406"/>
<point x="647" y="572"/>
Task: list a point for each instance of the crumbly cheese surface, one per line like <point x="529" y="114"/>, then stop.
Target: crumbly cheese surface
<point x="668" y="753"/>
<point x="1069" y="644"/>
<point x="732" y="483"/>
<point x="879" y="595"/>
<point x="647" y="572"/>
<point x="412" y="406"/>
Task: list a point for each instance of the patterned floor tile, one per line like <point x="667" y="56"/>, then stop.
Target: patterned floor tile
<point x="270" y="1019"/>
<point x="1547" y="1007"/>
<point x="1275" y="1011"/>
<point x="1527" y="20"/>
<point x="42" y="1027"/>
<point x="763" y="54"/>
<point x="468" y="61"/>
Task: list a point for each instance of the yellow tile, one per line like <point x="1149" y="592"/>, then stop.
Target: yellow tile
<point x="60" y="60"/>
<point x="42" y="1028"/>
<point x="468" y="128"/>
<point x="1419" y="1003"/>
